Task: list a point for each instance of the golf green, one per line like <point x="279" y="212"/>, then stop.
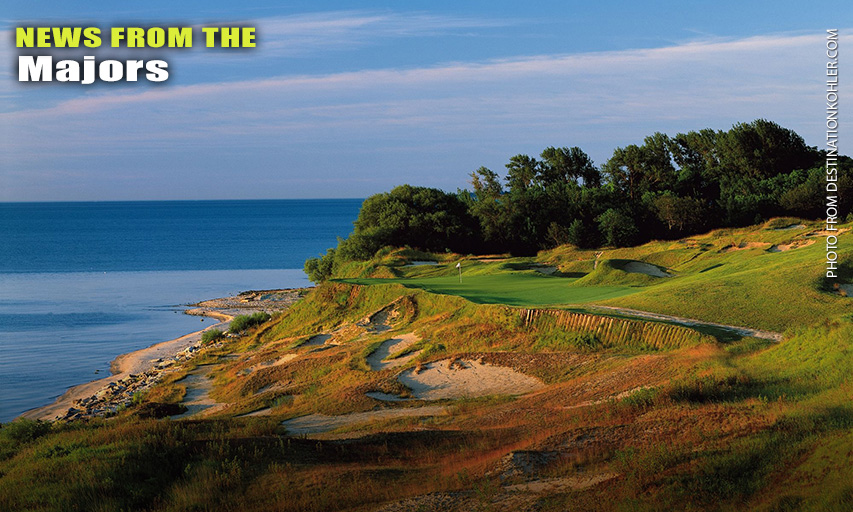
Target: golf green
<point x="515" y="289"/>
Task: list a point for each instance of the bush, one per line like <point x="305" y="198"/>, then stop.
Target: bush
<point x="320" y="269"/>
<point x="208" y="337"/>
<point x="641" y="399"/>
<point x="243" y="322"/>
<point x="24" y="431"/>
<point x="714" y="388"/>
<point x="160" y="410"/>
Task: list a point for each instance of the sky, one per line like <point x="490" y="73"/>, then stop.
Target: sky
<point x="348" y="99"/>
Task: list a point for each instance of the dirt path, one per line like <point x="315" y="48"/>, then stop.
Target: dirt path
<point x="689" y="322"/>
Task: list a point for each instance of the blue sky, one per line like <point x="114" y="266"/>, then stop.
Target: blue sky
<point x="346" y="99"/>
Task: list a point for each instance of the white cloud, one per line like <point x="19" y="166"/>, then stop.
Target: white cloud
<point x="596" y="100"/>
<point x="307" y="32"/>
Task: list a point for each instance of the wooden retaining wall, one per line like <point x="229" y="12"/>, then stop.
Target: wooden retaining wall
<point x="615" y="331"/>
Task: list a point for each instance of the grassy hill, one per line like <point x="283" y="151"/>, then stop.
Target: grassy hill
<point x="764" y="277"/>
<point x="610" y="411"/>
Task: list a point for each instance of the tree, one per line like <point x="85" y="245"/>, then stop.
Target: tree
<point x="488" y="208"/>
<point x="640" y="169"/>
<point x="582" y="235"/>
<point x="557" y="234"/>
<point x="679" y="212"/>
<point x="421" y="217"/>
<point x="659" y="173"/>
<point x="522" y="170"/>
<point x="624" y="170"/>
<point x="617" y="228"/>
<point x="762" y="149"/>
<point x="486" y="183"/>
<point x="567" y="165"/>
<point x="666" y="185"/>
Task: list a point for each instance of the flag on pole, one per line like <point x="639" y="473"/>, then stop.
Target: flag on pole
<point x="459" y="266"/>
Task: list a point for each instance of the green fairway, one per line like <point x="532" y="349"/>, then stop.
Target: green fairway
<point x="759" y="277"/>
<point x="512" y="288"/>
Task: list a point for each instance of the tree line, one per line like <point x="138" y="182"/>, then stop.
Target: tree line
<point x="667" y="187"/>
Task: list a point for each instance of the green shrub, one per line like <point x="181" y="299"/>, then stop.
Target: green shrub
<point x="641" y="399"/>
<point x="211" y="336"/>
<point x="243" y="322"/>
<point x="23" y="430"/>
<point x="320" y="269"/>
<point x="581" y="234"/>
<point x="160" y="410"/>
<point x="714" y="388"/>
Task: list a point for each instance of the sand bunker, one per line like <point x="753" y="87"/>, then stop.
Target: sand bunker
<point x="198" y="400"/>
<point x="792" y="226"/>
<point x="553" y="485"/>
<point x="266" y="411"/>
<point x="548" y="271"/>
<point x="316" y="340"/>
<point x="417" y="263"/>
<point x="743" y="246"/>
<point x="286" y="358"/>
<point x="788" y="247"/>
<point x="824" y="233"/>
<point x="639" y="267"/>
<point x="466" y="378"/>
<point x="491" y="259"/>
<point x="387" y="397"/>
<point x="845" y="290"/>
<point x="377" y="359"/>
<point x="381" y="320"/>
<point x="319" y="423"/>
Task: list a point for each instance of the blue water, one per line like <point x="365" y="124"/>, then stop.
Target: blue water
<point x="81" y="283"/>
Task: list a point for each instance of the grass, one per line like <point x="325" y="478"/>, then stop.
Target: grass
<point x="511" y="288"/>
<point x="707" y="269"/>
<point x="684" y="421"/>
<point x="211" y="336"/>
<point x="242" y="322"/>
<point x="749" y="287"/>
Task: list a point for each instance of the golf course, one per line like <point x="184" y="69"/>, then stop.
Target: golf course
<point x="707" y="373"/>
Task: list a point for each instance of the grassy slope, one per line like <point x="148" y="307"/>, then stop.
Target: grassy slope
<point x="715" y="280"/>
<point x="751" y="287"/>
<point x="743" y="426"/>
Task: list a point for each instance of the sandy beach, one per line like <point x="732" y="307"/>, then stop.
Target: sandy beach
<point x="137" y="369"/>
<point x="125" y="365"/>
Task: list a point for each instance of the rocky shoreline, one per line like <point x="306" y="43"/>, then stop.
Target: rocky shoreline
<point x="136" y="372"/>
<point x="121" y="393"/>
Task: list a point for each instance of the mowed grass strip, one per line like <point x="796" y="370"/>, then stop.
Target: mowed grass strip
<point x="511" y="288"/>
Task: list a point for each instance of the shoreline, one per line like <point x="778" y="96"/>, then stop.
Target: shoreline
<point x="138" y="370"/>
<point x="126" y="366"/>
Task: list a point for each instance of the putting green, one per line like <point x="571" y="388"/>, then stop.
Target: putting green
<point x="511" y="288"/>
